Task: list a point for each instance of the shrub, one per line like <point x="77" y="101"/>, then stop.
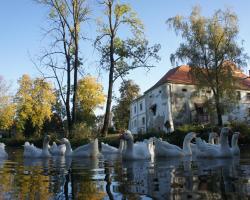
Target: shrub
<point x="81" y="131"/>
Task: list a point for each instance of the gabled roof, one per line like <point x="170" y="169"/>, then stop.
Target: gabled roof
<point x="182" y="75"/>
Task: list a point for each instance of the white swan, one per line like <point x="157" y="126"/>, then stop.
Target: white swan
<point x="87" y="150"/>
<point x="212" y="139"/>
<point x="3" y="153"/>
<point x="234" y="144"/>
<point x="165" y="149"/>
<point x="108" y="149"/>
<point x="31" y="151"/>
<point x="133" y="151"/>
<point x="57" y="150"/>
<point x="215" y="151"/>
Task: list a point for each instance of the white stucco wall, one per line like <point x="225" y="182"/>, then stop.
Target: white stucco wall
<point x="175" y="104"/>
<point x="161" y="98"/>
<point x="138" y="119"/>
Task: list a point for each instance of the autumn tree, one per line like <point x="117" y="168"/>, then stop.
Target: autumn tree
<point x="34" y="100"/>
<point x="121" y="55"/>
<point x="63" y="55"/>
<point x="211" y="49"/>
<point x="90" y="97"/>
<point x="128" y="92"/>
<point x="7" y="107"/>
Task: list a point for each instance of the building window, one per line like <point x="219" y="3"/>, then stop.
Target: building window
<point x="238" y="95"/>
<point x="208" y="91"/>
<point x="184" y="89"/>
<point x="248" y="112"/>
<point x="134" y="109"/>
<point x="159" y="91"/>
<point x="248" y="96"/>
<point x="140" y="106"/>
<point x="134" y="123"/>
<point x="153" y="109"/>
<point x="143" y="121"/>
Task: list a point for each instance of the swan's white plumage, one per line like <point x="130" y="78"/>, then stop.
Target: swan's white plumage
<point x="3" y="153"/>
<point x="33" y="152"/>
<point x="87" y="150"/>
<point x="135" y="151"/>
<point x="165" y="149"/>
<point x="215" y="151"/>
<point x="108" y="149"/>
<point x="57" y="150"/>
<point x="234" y="144"/>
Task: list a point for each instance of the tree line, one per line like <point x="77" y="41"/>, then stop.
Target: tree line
<point x="210" y="46"/>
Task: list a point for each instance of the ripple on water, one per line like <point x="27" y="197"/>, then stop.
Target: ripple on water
<point x="110" y="177"/>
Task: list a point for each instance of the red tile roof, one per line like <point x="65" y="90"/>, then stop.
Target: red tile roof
<point x="181" y="75"/>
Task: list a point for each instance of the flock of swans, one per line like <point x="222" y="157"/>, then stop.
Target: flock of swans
<point x="216" y="147"/>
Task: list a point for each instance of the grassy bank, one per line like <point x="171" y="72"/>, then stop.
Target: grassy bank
<point x="113" y="139"/>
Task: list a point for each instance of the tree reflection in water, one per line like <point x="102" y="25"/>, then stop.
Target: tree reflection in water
<point x="112" y="178"/>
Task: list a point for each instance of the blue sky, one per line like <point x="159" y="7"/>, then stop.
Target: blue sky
<point x="21" y="23"/>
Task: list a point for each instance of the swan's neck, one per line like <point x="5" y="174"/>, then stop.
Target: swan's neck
<point x="130" y="144"/>
<point x="46" y="146"/>
<point x="128" y="152"/>
<point x="211" y="139"/>
<point x="95" y="149"/>
<point x="234" y="142"/>
<point x="187" y="147"/>
<point x="224" y="141"/>
<point x="121" y="146"/>
<point x="68" y="151"/>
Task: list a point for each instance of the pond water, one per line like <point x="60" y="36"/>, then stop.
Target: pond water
<point x="111" y="178"/>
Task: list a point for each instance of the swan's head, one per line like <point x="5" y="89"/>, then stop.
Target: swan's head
<point x="236" y="135"/>
<point x="127" y="135"/>
<point x="64" y="141"/>
<point x="190" y="136"/>
<point x="225" y="131"/>
<point x="213" y="135"/>
<point x="47" y="139"/>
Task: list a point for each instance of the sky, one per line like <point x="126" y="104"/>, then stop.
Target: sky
<point x="22" y="37"/>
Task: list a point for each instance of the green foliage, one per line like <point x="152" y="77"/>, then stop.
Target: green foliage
<point x="81" y="131"/>
<point x="210" y="47"/>
<point x="128" y="92"/>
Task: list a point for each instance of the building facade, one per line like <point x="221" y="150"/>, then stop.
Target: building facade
<point x="174" y="100"/>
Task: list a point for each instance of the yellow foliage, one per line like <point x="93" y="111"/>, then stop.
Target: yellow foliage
<point x="34" y="101"/>
<point x="7" y="113"/>
<point x="90" y="93"/>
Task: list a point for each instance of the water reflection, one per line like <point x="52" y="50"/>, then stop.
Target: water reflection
<point x="112" y="178"/>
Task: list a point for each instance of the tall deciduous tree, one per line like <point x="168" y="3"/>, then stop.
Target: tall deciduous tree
<point x="211" y="49"/>
<point x="34" y="100"/>
<point x="128" y="92"/>
<point x="119" y="56"/>
<point x="66" y="17"/>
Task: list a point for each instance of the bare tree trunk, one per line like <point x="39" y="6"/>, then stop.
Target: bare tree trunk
<point x="111" y="75"/>
<point x="76" y="61"/>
